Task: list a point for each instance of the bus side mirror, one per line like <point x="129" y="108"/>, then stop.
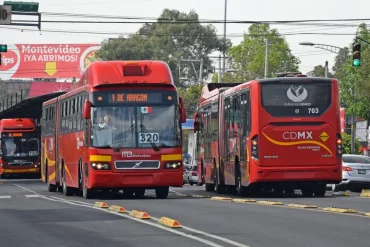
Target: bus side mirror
<point x="182" y="110"/>
<point x="197" y="122"/>
<point x="87" y="110"/>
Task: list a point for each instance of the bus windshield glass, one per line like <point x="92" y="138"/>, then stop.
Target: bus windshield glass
<point x="296" y="99"/>
<point x="135" y="126"/>
<point x="15" y="145"/>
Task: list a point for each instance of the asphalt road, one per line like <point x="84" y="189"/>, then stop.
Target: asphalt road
<point x="32" y="216"/>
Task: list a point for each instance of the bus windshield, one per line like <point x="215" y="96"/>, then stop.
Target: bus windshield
<point x="135" y="127"/>
<point x="15" y="145"/>
<point x="301" y="99"/>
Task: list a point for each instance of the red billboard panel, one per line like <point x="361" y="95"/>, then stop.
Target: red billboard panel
<point x="46" y="60"/>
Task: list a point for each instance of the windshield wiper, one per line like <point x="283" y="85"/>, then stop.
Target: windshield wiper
<point x="152" y="143"/>
<point x="125" y="135"/>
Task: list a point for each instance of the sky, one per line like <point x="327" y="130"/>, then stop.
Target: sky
<point x="261" y="10"/>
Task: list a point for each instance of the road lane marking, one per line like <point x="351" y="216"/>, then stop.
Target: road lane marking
<point x="205" y="241"/>
<point x="5" y="197"/>
<point x="32" y="196"/>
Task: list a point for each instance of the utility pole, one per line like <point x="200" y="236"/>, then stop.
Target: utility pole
<point x="326" y="69"/>
<point x="219" y="70"/>
<point x="267" y="57"/>
<point x="199" y="76"/>
<point x="224" y="48"/>
<point x="353" y="134"/>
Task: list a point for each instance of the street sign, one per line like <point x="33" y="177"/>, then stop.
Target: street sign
<point x="5" y="15"/>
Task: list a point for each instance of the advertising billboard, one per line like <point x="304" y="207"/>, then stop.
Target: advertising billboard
<point x="46" y="60"/>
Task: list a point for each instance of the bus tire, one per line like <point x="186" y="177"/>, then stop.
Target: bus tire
<point x="320" y="190"/>
<point x="67" y="191"/>
<point x="218" y="187"/>
<point x="87" y="193"/>
<point x="239" y="188"/>
<point x="162" y="192"/>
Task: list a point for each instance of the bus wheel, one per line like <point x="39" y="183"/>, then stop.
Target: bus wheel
<point x="51" y="187"/>
<point x="87" y="193"/>
<point x="240" y="189"/>
<point x="162" y="192"/>
<point x="218" y="187"/>
<point x="320" y="190"/>
<point x="67" y="191"/>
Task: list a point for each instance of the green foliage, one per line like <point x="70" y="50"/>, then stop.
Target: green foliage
<point x="169" y="42"/>
<point x="354" y="81"/>
<point x="249" y="55"/>
<point x="192" y="96"/>
<point x="347" y="144"/>
<point x="319" y="71"/>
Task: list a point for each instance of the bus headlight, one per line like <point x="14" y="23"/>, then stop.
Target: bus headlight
<point x="172" y="165"/>
<point x="100" y="166"/>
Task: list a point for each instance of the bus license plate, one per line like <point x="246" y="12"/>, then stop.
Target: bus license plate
<point x="362" y="172"/>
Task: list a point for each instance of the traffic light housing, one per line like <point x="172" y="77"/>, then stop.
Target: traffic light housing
<point x="356" y="57"/>
<point x="3" y="48"/>
<point x="23" y="6"/>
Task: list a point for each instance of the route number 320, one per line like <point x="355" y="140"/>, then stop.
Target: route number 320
<point x="148" y="137"/>
<point x="313" y="110"/>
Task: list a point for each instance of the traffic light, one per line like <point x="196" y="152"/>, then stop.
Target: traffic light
<point x="3" y="48"/>
<point x="356" y="57"/>
<point x="23" y="6"/>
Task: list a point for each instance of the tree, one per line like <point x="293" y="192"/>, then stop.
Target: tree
<point x="347" y="144"/>
<point x="319" y="71"/>
<point x="249" y="55"/>
<point x="354" y="84"/>
<point x="169" y="42"/>
<point x="191" y="97"/>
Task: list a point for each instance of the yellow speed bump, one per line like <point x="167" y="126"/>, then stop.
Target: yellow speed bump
<point x="365" y="193"/>
<point x="300" y="205"/>
<point x="221" y="198"/>
<point x="243" y="200"/>
<point x="367" y="214"/>
<point x="139" y="214"/>
<point x="100" y="205"/>
<point x="169" y="222"/>
<point x="345" y="193"/>
<point x="117" y="209"/>
<point x="340" y="210"/>
<point x="270" y="202"/>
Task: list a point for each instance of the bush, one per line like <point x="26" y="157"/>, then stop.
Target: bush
<point x="347" y="144"/>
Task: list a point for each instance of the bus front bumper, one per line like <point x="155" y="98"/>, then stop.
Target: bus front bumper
<point x="98" y="179"/>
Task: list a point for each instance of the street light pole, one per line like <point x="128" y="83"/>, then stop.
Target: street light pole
<point x="224" y="48"/>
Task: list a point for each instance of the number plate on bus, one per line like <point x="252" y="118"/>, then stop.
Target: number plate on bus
<point x="361" y="171"/>
<point x="148" y="137"/>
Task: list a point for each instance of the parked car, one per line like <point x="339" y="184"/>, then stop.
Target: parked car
<point x="191" y="175"/>
<point x="356" y="173"/>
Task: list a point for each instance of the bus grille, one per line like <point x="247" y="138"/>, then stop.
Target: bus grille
<point x="20" y="164"/>
<point x="137" y="164"/>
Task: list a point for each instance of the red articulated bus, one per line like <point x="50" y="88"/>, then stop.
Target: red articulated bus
<point x="276" y="134"/>
<point x="118" y="128"/>
<point x="20" y="147"/>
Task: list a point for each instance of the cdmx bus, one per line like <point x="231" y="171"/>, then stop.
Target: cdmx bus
<point x="276" y="134"/>
<point x="20" y="147"/>
<point x="117" y="128"/>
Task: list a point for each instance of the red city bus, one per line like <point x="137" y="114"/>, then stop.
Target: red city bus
<point x="281" y="133"/>
<point x="19" y="154"/>
<point x="118" y="128"/>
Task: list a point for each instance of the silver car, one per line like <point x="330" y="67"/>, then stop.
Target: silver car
<point x="356" y="173"/>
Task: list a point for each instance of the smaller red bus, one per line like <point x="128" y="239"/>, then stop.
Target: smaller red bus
<point x="19" y="154"/>
<point x="277" y="134"/>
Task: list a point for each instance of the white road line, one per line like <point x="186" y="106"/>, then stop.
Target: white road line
<point x="205" y="241"/>
<point x="5" y="197"/>
<point x="184" y="227"/>
<point x="31" y="191"/>
<point x="32" y="196"/>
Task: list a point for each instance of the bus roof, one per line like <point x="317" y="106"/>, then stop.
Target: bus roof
<point x="212" y="89"/>
<point x="17" y="124"/>
<point x="141" y="72"/>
